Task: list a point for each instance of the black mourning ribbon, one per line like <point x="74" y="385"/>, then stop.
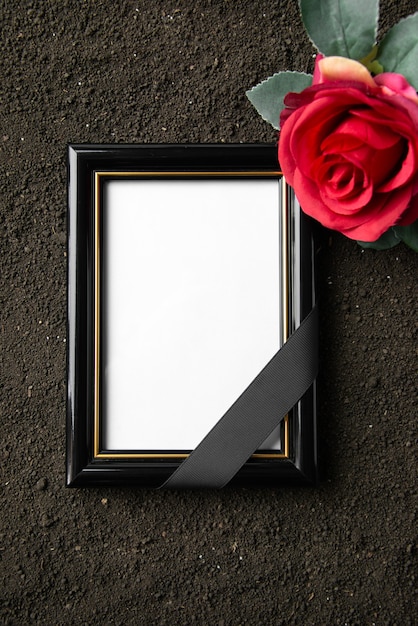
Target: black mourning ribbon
<point x="255" y="414"/>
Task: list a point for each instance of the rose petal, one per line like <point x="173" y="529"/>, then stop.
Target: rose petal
<point x="378" y="220"/>
<point x="393" y="83"/>
<point x="381" y="212"/>
<point x="343" y="187"/>
<point x="312" y="204"/>
<point x="317" y="73"/>
<point x="340" y="69"/>
<point x="380" y="165"/>
<point x="411" y="214"/>
<point x="374" y="134"/>
<point x="406" y="169"/>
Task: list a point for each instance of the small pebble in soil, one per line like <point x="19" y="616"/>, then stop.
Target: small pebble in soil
<point x="41" y="484"/>
<point x="46" y="521"/>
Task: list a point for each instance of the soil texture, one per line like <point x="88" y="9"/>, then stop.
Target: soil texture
<point x="344" y="553"/>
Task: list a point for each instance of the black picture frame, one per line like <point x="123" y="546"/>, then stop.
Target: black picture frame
<point x="90" y="170"/>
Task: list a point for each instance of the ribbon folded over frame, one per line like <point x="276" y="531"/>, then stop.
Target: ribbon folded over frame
<point x="255" y="414"/>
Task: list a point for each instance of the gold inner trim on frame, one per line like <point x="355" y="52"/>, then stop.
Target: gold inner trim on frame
<point x="97" y="256"/>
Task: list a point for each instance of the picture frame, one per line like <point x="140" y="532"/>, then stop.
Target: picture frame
<point x="189" y="266"/>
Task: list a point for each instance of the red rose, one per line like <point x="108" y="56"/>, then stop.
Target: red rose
<point x="349" y="148"/>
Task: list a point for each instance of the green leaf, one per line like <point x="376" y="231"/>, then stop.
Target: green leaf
<point x="267" y="97"/>
<point x="409" y="235"/>
<point x="346" y="28"/>
<point x="398" y="51"/>
<point x="371" y="63"/>
<point x="389" y="239"/>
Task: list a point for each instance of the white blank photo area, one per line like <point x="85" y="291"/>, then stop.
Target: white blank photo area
<point x="191" y="305"/>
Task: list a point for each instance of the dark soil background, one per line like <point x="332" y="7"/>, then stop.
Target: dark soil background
<point x="343" y="553"/>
